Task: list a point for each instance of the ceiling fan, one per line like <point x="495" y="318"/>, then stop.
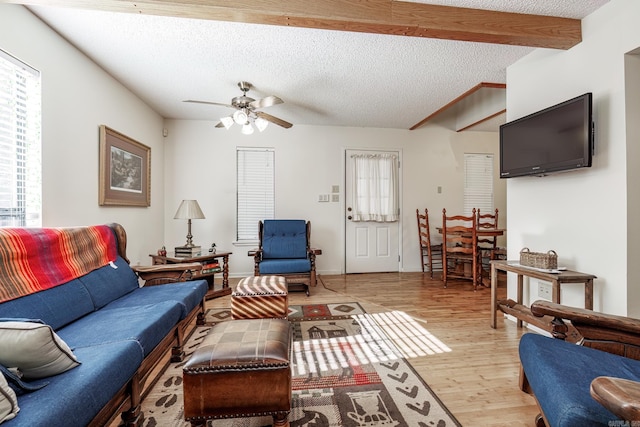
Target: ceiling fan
<point x="247" y="111"/>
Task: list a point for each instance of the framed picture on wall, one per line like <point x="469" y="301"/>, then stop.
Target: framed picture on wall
<point x="125" y="170"/>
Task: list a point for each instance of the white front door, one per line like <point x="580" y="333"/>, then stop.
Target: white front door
<point x="370" y="246"/>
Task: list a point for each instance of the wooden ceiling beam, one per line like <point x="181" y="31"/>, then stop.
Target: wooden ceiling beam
<point x="389" y="17"/>
<point x="467" y="94"/>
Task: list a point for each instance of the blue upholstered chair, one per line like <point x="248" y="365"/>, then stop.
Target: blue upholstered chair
<point x="596" y="383"/>
<point x="285" y="251"/>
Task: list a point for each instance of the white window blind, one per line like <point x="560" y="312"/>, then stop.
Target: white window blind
<point x="20" y="151"/>
<point x="478" y="183"/>
<point x="256" y="190"/>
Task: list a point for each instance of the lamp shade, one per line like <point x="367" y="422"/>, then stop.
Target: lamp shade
<point x="227" y="122"/>
<point x="247" y="129"/>
<point x="240" y="117"/>
<point x="189" y="209"/>
<point x="261" y="124"/>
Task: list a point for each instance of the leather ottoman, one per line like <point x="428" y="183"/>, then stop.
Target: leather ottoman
<point x="260" y="297"/>
<point x="241" y="369"/>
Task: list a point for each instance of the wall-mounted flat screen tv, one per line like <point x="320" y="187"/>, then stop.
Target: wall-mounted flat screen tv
<point x="558" y="138"/>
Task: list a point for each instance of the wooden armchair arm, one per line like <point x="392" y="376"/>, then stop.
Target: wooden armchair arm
<point x="620" y="396"/>
<point x="586" y="317"/>
<point x="257" y="258"/>
<point x="167" y="273"/>
<point x="607" y="332"/>
<point x="314" y="251"/>
<point x="254" y="252"/>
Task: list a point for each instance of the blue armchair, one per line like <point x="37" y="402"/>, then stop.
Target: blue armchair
<point x="592" y="384"/>
<point x="285" y="251"/>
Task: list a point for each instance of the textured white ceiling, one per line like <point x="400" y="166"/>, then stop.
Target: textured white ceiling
<point x="327" y="78"/>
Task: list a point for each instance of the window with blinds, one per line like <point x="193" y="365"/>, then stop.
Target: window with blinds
<point x="20" y="146"/>
<point x="256" y="190"/>
<point x="478" y="183"/>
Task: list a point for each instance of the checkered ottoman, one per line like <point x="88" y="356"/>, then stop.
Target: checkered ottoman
<point x="260" y="297"/>
<point x="241" y="369"/>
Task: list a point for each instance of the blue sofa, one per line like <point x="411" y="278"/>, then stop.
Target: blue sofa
<point x="562" y="374"/>
<point x="118" y="331"/>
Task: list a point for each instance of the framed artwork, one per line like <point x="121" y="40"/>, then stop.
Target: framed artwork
<point x="125" y="170"/>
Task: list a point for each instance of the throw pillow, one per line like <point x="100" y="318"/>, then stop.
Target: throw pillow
<point x="35" y="349"/>
<point x="8" y="401"/>
<point x="17" y="384"/>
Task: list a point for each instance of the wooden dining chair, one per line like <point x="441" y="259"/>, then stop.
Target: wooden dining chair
<point x="459" y="247"/>
<point x="488" y="245"/>
<point x="430" y="254"/>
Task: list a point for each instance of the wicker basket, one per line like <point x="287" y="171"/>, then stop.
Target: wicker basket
<point x="538" y="259"/>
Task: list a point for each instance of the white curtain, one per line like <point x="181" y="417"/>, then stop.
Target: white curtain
<point x="375" y="187"/>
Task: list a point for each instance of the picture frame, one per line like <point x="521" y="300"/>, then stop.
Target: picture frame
<point x="125" y="170"/>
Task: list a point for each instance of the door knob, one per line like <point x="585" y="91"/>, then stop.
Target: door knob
<point x="349" y="217"/>
<point x="349" y="209"/>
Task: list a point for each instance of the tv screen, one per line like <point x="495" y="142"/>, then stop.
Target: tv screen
<point x="558" y="138"/>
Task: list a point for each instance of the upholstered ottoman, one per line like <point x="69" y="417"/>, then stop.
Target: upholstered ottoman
<point x="241" y="369"/>
<point x="260" y="297"/>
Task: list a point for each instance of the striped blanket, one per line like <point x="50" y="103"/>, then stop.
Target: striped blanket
<point x="35" y="259"/>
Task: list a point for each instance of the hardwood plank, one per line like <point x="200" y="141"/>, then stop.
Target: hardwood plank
<point x="478" y="379"/>
<point x="391" y="17"/>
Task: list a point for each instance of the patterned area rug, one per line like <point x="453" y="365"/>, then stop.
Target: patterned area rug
<point x="349" y="369"/>
<point x="299" y="312"/>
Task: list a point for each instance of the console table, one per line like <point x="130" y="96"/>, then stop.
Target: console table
<point x="207" y="274"/>
<point x="556" y="279"/>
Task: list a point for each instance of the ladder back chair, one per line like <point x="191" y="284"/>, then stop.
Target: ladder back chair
<point x="430" y="254"/>
<point x="460" y="247"/>
<point x="488" y="245"/>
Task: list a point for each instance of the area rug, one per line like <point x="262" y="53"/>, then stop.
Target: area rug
<point x="342" y="310"/>
<point x="348" y="370"/>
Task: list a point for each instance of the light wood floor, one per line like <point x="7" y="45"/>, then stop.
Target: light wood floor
<point x="478" y="379"/>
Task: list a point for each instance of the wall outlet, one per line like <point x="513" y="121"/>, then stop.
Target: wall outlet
<point x="323" y="197"/>
<point x="335" y="197"/>
<point x="544" y="290"/>
<point x="335" y="189"/>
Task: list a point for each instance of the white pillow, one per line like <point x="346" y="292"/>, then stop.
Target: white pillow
<point x="35" y="349"/>
<point x="8" y="401"/>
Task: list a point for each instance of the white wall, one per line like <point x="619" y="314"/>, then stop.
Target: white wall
<point x="200" y="164"/>
<point x="632" y="107"/>
<point x="77" y="97"/>
<point x="582" y="215"/>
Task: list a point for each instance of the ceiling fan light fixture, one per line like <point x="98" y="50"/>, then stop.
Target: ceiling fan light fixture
<point x="247" y="129"/>
<point x="227" y="122"/>
<point x="240" y="117"/>
<point x="261" y="123"/>
<point x="247" y="111"/>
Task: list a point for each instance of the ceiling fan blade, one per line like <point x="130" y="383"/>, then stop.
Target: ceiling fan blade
<point x="208" y="102"/>
<point x="273" y="119"/>
<point x="220" y="125"/>
<point x="266" y="102"/>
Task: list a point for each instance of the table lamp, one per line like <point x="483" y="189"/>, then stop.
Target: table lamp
<point x="189" y="209"/>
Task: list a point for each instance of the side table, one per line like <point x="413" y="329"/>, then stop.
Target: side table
<point x="207" y="273"/>
<point x="556" y="279"/>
